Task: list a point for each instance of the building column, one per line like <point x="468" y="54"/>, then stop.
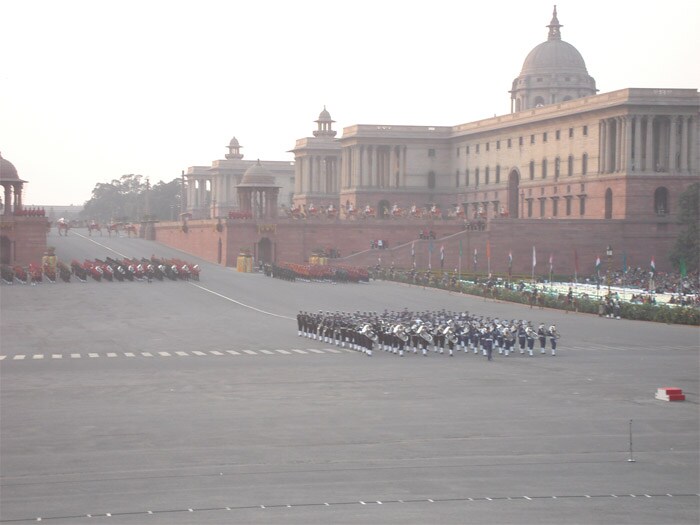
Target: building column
<point x="684" y="144"/>
<point x="8" y="199"/>
<point x="602" y="143"/>
<point x="628" y="143"/>
<point x="403" y="167"/>
<point x="693" y="150"/>
<point x="610" y="147"/>
<point x="637" y="158"/>
<point x="672" y="132"/>
<point x="649" y="164"/>
<point x="618" y="144"/>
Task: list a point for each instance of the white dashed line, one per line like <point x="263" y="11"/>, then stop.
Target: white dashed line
<point x="111" y="354"/>
<point x="197" y="352"/>
<point x="283" y="352"/>
<point x="75" y="356"/>
<point x="38" y="356"/>
<point x="250" y="352"/>
<point x="215" y="352"/>
<point x="164" y="354"/>
<point x="233" y="352"/>
<point x="315" y="351"/>
<point x="129" y="354"/>
<point x="268" y="352"/>
<point x="146" y="354"/>
<point x="57" y="356"/>
<point x="298" y="351"/>
<point x="18" y="357"/>
<point x="93" y="355"/>
<point x="182" y="354"/>
<point x="2" y="357"/>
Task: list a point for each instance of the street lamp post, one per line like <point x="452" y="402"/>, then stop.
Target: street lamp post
<point x="609" y="253"/>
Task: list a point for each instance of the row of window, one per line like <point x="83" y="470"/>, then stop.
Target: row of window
<point x="521" y="141"/>
<point x="557" y="171"/>
<point x="555" y="206"/>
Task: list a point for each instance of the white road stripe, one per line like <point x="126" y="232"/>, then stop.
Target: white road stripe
<point x="298" y="351"/>
<point x="57" y="356"/>
<point x="333" y="350"/>
<point x="233" y="352"/>
<point x="315" y="351"/>
<point x="182" y="353"/>
<point x="75" y="356"/>
<point x="216" y="352"/>
<point x="146" y="354"/>
<point x="250" y="352"/>
<point x="283" y="352"/>
<point x="2" y="357"/>
<point x="18" y="357"/>
<point x="93" y="355"/>
<point x="38" y="356"/>
<point x="128" y="354"/>
<point x="268" y="352"/>
<point x="197" y="352"/>
<point x="111" y="354"/>
<point x="164" y="354"/>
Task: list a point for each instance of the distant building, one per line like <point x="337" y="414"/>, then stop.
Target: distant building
<point x="564" y="152"/>
<point x="212" y="191"/>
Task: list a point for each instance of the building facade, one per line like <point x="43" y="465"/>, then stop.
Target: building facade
<point x="564" y="152"/>
<point x="212" y="191"/>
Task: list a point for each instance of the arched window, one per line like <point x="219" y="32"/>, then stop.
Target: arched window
<point x="544" y="168"/>
<point x="498" y="174"/>
<point x="532" y="170"/>
<point x="539" y="102"/>
<point x="570" y="168"/>
<point x="584" y="164"/>
<point x="431" y="180"/>
<point x="661" y="201"/>
<point x="486" y="175"/>
<point x="608" y="203"/>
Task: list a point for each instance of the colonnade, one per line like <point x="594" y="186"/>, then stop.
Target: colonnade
<point x="260" y="202"/>
<point x="377" y="166"/>
<point x="13" y="197"/>
<point x="648" y="143"/>
<point x="317" y="174"/>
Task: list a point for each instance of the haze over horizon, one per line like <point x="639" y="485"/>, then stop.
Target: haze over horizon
<point x="90" y="91"/>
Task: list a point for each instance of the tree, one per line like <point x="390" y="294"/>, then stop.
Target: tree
<point x="130" y="198"/>
<point x="688" y="242"/>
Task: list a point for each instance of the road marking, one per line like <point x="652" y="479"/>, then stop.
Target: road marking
<point x="111" y="354"/>
<point x="315" y="351"/>
<point x="75" y="356"/>
<point x="333" y="350"/>
<point x="129" y="354"/>
<point x="240" y="303"/>
<point x="38" y="356"/>
<point x="164" y="354"/>
<point x="298" y="351"/>
<point x="146" y="354"/>
<point x="197" y="352"/>
<point x="216" y="352"/>
<point x="268" y="352"/>
<point x="182" y="353"/>
<point x="283" y="352"/>
<point x="250" y="352"/>
<point x="18" y="357"/>
<point x="2" y="357"/>
<point x="57" y="356"/>
<point x="232" y="352"/>
<point x="93" y="355"/>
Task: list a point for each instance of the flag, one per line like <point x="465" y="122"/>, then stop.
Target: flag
<point x="510" y="259"/>
<point x="684" y="270"/>
<point x="534" y="257"/>
<point x="551" y="262"/>
<point x="653" y="267"/>
<point x="488" y="249"/>
<point x="597" y="265"/>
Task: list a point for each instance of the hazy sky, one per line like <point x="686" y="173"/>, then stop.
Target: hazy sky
<point x="92" y="90"/>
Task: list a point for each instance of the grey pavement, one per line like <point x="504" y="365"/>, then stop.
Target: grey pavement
<point x="175" y="402"/>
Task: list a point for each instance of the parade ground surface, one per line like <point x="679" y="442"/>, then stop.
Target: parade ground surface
<point x="196" y="402"/>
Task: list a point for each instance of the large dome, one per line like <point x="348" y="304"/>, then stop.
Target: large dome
<point x="8" y="172"/>
<point x="257" y="176"/>
<point x="554" y="56"/>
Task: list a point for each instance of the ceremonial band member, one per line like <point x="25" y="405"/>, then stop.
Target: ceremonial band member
<point x="553" y="336"/>
<point x="542" y="336"/>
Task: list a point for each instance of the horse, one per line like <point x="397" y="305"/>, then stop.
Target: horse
<point x="130" y="228"/>
<point x="94" y="226"/>
<point x="349" y="210"/>
<point x="113" y="227"/>
<point x="62" y="225"/>
<point x="368" y="212"/>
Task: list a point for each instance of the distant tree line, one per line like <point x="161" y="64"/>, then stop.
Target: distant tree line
<point x="132" y="198"/>
<point x="684" y="255"/>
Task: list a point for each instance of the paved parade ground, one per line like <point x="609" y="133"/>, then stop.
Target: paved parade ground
<point x="196" y="402"/>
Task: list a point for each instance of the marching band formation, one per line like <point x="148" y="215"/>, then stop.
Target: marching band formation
<point x="441" y="332"/>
